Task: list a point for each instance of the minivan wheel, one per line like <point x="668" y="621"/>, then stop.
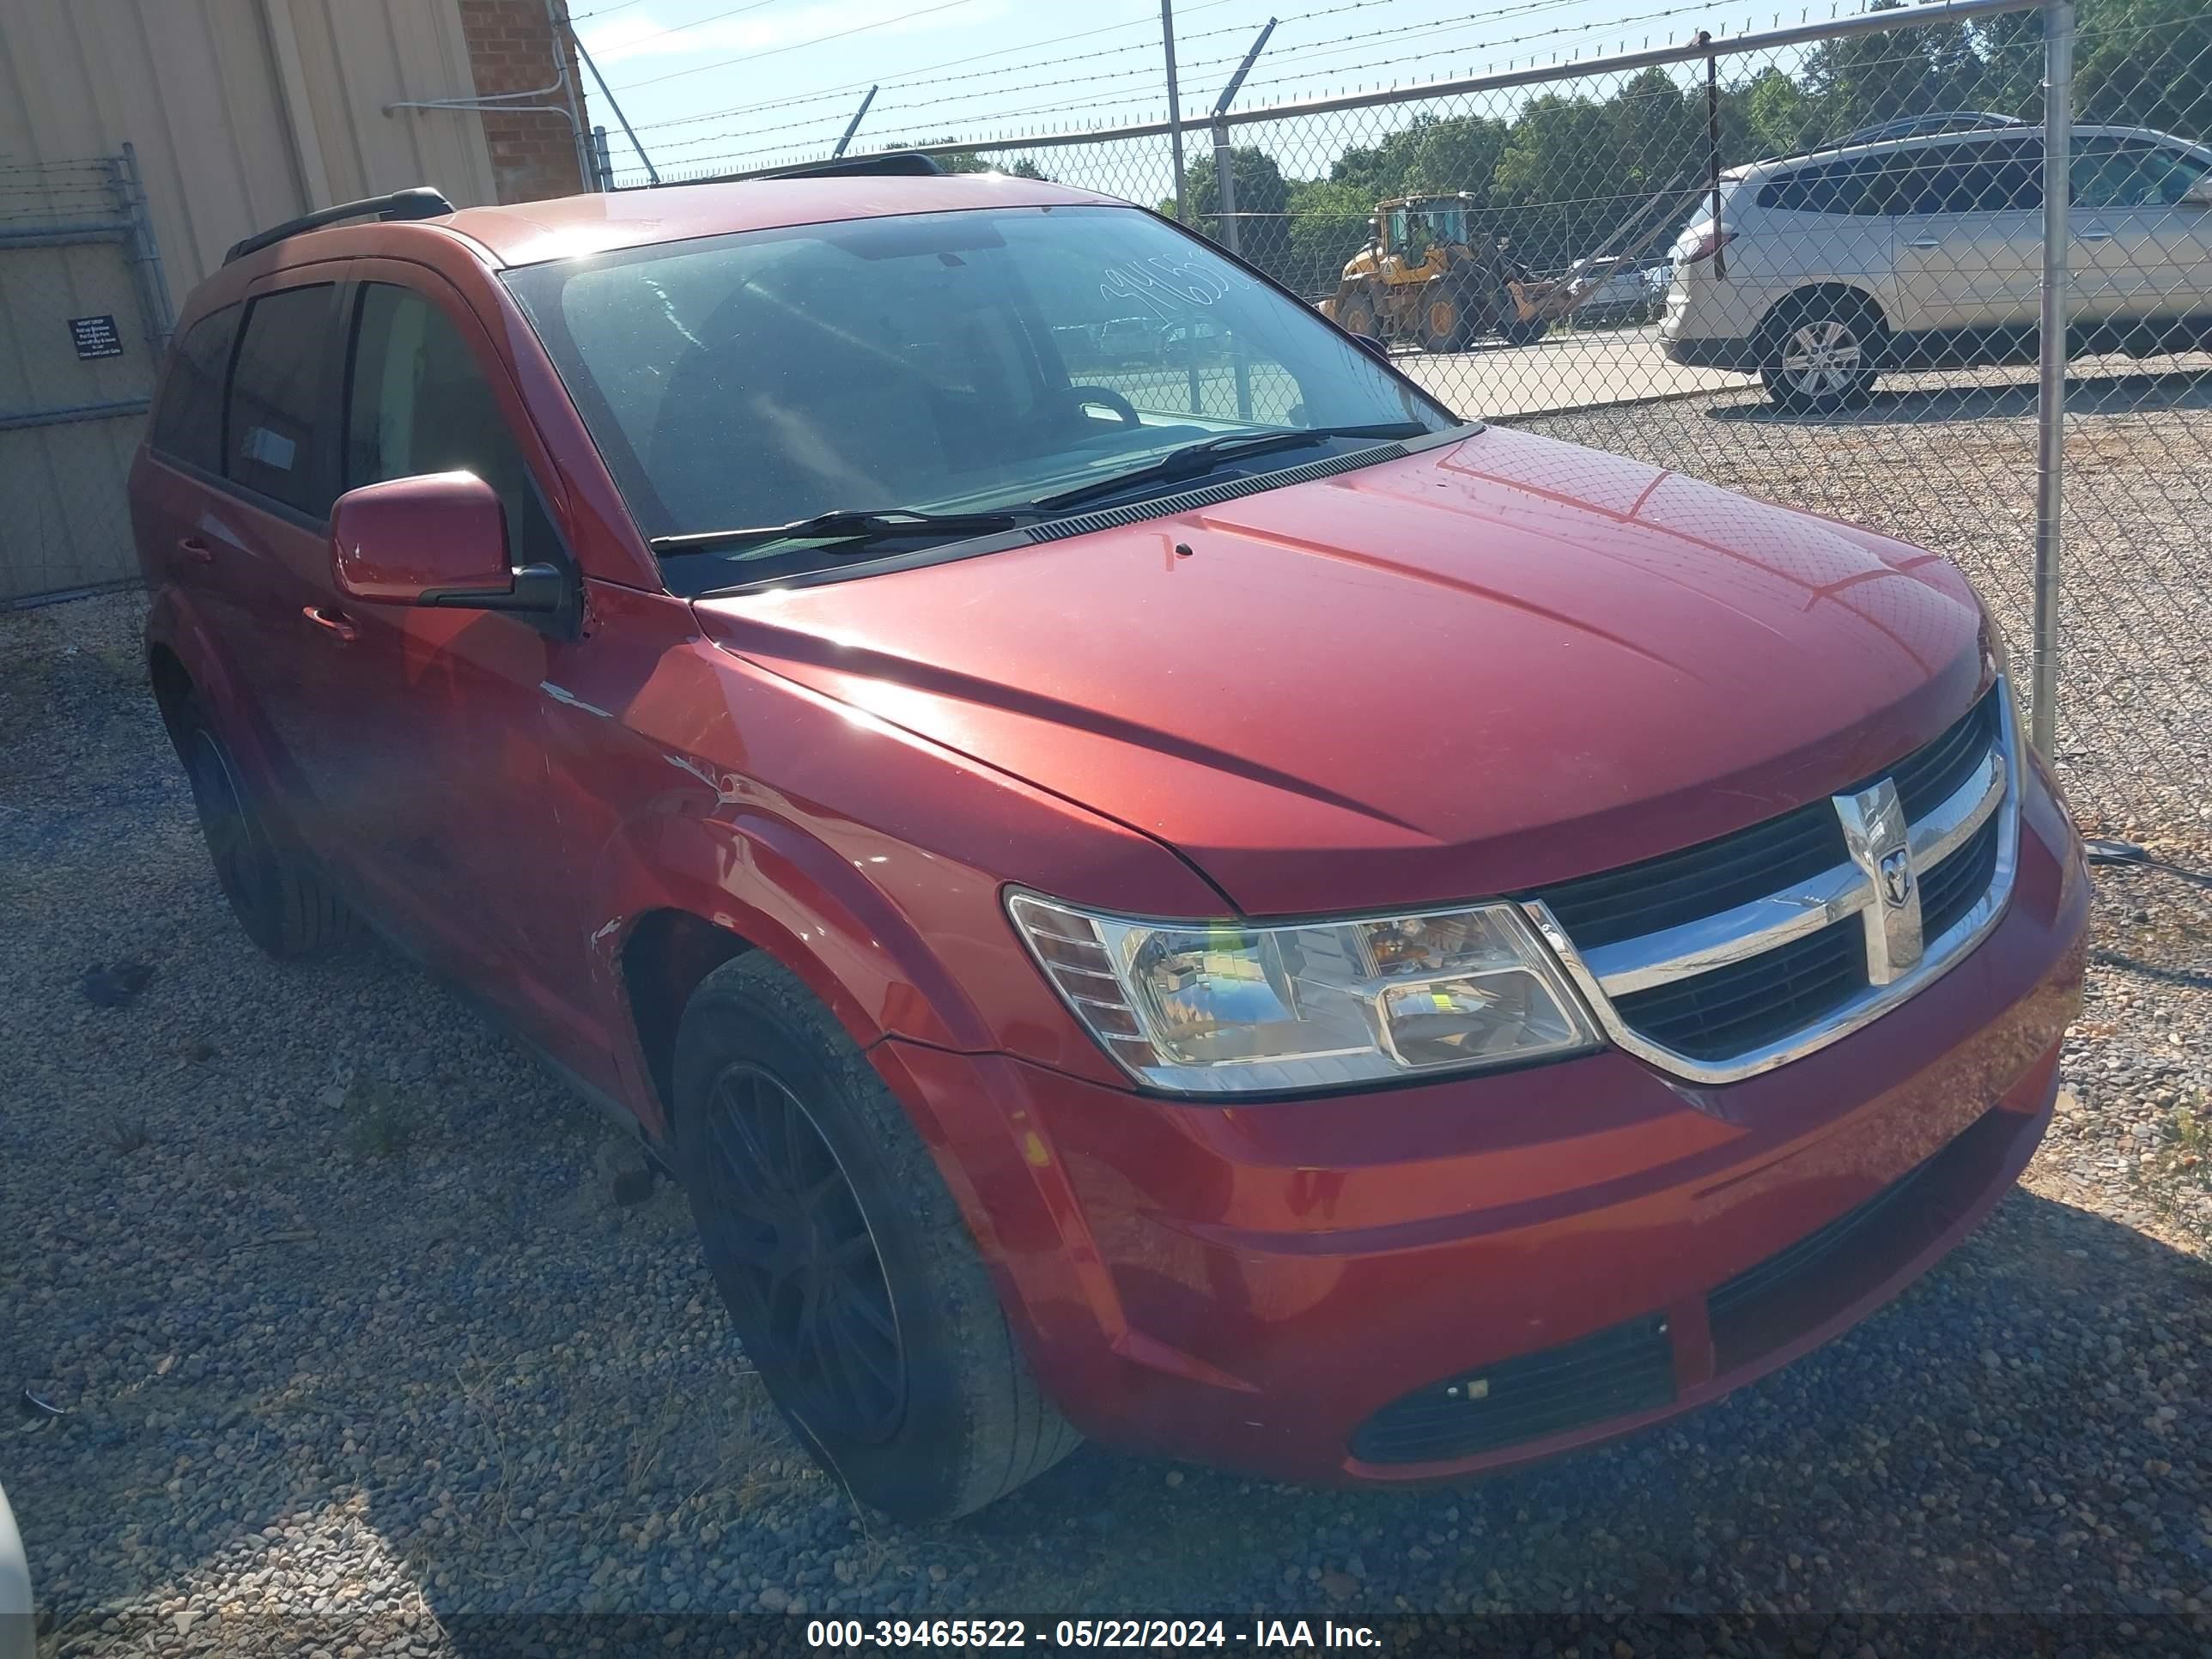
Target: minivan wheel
<point x="284" y="908"/>
<point x="1820" y="355"/>
<point x="851" y="1281"/>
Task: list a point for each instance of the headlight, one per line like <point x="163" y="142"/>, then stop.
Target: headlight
<point x="1218" y="1007"/>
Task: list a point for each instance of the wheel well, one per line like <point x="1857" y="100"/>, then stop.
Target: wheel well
<point x="1799" y="300"/>
<point x="171" y="684"/>
<point x="666" y="954"/>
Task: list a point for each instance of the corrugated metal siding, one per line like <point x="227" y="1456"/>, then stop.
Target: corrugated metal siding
<point x="201" y="88"/>
<point x="195" y="84"/>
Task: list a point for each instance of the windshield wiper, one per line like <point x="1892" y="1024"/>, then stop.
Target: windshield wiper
<point x="844" y="524"/>
<point x="1195" y="460"/>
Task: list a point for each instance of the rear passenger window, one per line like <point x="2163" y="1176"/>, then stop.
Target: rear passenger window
<point x="278" y="421"/>
<point x="187" y="425"/>
<point x="1829" y="187"/>
<point x="1998" y="178"/>
<point x="419" y="403"/>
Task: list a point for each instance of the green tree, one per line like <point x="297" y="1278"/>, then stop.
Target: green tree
<point x="1784" y="120"/>
<point x="1263" y="206"/>
<point x="1555" y="188"/>
<point x="2146" y="63"/>
<point x="1329" y="223"/>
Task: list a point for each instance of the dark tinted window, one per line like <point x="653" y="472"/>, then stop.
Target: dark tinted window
<point x="419" y="403"/>
<point x="279" y="415"/>
<point x="1828" y="188"/>
<point x="2006" y="176"/>
<point x="188" y="424"/>
<point x="2129" y="173"/>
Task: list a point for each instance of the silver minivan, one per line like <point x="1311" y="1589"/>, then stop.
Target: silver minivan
<point x="1926" y="252"/>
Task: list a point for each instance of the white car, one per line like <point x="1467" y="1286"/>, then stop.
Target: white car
<point x="18" y="1622"/>
<point x="1926" y="252"/>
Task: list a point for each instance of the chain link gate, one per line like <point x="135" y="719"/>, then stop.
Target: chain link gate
<point x="84" y="317"/>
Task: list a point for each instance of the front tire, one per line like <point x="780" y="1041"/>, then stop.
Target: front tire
<point x="850" y="1277"/>
<point x="1444" y="316"/>
<point x="284" y="906"/>
<point x="1355" y="314"/>
<point x="1820" y="355"/>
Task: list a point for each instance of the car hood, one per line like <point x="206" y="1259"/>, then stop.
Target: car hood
<point x="1474" y="670"/>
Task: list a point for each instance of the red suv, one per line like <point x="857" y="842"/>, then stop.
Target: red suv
<point x="1151" y="882"/>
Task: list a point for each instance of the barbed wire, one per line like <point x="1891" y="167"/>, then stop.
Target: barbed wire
<point x="1064" y="108"/>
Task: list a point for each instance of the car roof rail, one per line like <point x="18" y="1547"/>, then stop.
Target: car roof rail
<point x="890" y="164"/>
<point x="1942" y="120"/>
<point x="420" y="203"/>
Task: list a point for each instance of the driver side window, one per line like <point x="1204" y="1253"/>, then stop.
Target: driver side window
<point x="417" y="402"/>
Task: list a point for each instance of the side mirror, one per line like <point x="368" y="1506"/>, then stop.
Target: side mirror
<point x="1373" y="346"/>
<point x="438" y="539"/>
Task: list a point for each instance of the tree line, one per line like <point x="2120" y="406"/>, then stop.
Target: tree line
<point x="1567" y="170"/>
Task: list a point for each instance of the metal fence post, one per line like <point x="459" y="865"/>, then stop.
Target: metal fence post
<point x="1224" y="187"/>
<point x="603" y="160"/>
<point x="1175" y="110"/>
<point x="2050" y="424"/>
<point x="153" y="285"/>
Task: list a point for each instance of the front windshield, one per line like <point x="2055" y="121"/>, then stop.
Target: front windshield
<point x="941" y="363"/>
<point x="1449" y="223"/>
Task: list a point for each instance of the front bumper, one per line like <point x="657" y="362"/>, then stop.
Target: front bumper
<point x="1269" y="1286"/>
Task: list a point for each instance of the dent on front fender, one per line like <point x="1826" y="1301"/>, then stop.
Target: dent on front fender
<point x="867" y="860"/>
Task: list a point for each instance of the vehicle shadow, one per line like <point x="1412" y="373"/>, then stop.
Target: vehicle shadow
<point x="2131" y="392"/>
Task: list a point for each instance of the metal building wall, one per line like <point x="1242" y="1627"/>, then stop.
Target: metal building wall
<point x="240" y="114"/>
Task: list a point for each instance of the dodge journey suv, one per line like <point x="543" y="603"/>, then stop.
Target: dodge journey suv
<point x="1926" y="252"/>
<point x="1183" y="893"/>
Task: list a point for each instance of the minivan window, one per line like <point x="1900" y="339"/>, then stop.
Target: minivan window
<point x="419" y="403"/>
<point x="960" y="361"/>
<point x="2006" y="176"/>
<point x="276" y="423"/>
<point x="2128" y="173"/>
<point x="1828" y="188"/>
<point x="187" y="424"/>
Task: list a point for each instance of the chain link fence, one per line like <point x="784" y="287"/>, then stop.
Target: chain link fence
<point x="84" y="317"/>
<point x="1810" y="263"/>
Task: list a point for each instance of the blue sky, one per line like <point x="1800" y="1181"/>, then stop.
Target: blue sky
<point x="717" y="84"/>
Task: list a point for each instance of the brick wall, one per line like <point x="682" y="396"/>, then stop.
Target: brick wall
<point x="510" y="48"/>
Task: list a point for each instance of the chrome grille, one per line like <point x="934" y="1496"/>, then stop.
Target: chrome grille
<point x="1728" y="958"/>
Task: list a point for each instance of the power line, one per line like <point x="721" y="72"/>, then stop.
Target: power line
<point x="796" y="46"/>
<point x="673" y="28"/>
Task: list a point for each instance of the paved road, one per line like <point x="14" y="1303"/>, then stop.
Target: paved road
<point x="1561" y="372"/>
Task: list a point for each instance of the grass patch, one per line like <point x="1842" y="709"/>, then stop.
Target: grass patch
<point x="380" y="1122"/>
<point x="2176" y="1177"/>
<point x="124" y="1136"/>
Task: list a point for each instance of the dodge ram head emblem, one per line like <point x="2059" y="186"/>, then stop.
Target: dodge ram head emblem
<point x="1897" y="878"/>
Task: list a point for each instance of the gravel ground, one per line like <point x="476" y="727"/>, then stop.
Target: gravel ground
<point x="358" y="1356"/>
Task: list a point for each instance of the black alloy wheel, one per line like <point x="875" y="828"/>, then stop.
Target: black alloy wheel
<point x="805" y="1258"/>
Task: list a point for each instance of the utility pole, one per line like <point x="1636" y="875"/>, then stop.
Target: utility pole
<point x="854" y="126"/>
<point x="1175" y="109"/>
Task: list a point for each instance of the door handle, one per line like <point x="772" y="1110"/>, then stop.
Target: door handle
<point x="333" y="623"/>
<point x="1925" y="242"/>
<point x="196" y="550"/>
<point x="2093" y="235"/>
